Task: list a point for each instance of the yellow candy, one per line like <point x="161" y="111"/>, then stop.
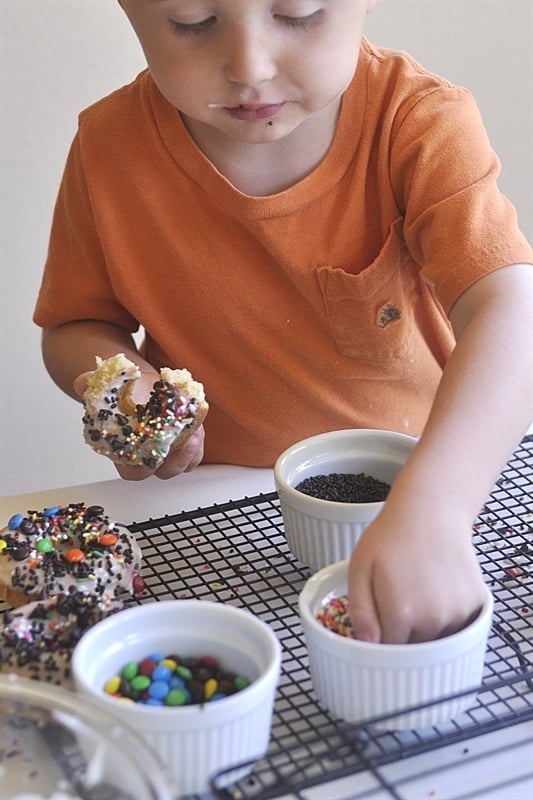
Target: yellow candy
<point x="210" y="687"/>
<point x="113" y="685"/>
<point x="170" y="663"/>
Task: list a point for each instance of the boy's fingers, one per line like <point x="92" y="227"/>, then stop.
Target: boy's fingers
<point x="183" y="459"/>
<point x="361" y="606"/>
<point x="128" y="473"/>
<point x="80" y="384"/>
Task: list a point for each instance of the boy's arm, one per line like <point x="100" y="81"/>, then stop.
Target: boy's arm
<point x="69" y="355"/>
<point x="69" y="350"/>
<point x="414" y="575"/>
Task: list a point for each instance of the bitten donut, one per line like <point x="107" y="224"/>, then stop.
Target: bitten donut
<point x="135" y="434"/>
<point x="44" y="553"/>
<point x="37" y="640"/>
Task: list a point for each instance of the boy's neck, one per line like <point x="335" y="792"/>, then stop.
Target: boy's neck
<point x="260" y="170"/>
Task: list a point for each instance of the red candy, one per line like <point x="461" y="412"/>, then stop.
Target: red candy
<point x="147" y="666"/>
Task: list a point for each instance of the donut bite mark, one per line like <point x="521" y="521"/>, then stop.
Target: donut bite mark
<point x="135" y="434"/>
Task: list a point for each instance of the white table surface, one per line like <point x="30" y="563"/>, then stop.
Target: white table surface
<point x="139" y="501"/>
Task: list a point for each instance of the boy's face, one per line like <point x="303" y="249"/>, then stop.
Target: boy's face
<point x="252" y="70"/>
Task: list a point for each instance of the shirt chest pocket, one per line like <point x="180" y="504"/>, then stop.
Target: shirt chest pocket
<point x="370" y="313"/>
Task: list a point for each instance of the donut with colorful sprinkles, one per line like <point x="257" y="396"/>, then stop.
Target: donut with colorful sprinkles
<point x="46" y="553"/>
<point x="37" y="640"/>
<point x="135" y="434"/>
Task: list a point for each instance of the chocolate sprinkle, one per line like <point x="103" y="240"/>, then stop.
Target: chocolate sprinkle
<point x="345" y="488"/>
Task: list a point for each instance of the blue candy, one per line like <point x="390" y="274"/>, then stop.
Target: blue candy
<point x="51" y="512"/>
<point x="157" y="657"/>
<point x="15" y="522"/>
<point x="158" y="690"/>
<point x="162" y="673"/>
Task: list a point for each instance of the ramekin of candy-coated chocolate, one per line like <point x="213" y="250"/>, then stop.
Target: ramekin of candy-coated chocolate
<point x="198" y="737"/>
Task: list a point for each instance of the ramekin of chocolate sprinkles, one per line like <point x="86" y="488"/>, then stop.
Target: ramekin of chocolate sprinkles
<point x="201" y="647"/>
<point x="332" y="485"/>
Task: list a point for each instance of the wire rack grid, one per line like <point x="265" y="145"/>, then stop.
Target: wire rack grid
<point x="237" y="553"/>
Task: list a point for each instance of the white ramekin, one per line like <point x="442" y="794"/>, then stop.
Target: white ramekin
<point x="321" y="532"/>
<point x="193" y="741"/>
<point x="358" y="681"/>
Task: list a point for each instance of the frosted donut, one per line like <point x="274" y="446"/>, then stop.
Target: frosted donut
<point x="45" y="553"/>
<point x="37" y="640"/>
<point x="135" y="434"/>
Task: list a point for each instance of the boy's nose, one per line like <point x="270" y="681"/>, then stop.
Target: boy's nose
<point x="250" y="60"/>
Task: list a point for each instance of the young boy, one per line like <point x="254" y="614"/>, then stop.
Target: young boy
<point x="312" y="226"/>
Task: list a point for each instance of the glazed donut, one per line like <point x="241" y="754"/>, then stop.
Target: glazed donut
<point x="44" y="553"/>
<point x="37" y="640"/>
<point x="140" y="435"/>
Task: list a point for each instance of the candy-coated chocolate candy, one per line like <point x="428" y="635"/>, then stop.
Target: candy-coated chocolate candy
<point x="130" y="670"/>
<point x="15" y="521"/>
<point x="113" y="685"/>
<point x="176" y="697"/>
<point x="171" y="663"/>
<point x="138" y="585"/>
<point x="44" y="546"/>
<point x="147" y="666"/>
<point x="184" y="672"/>
<point x="162" y="673"/>
<point x="173" y="681"/>
<point x="51" y="512"/>
<point x="159" y="689"/>
<point x="107" y="539"/>
<point x="140" y="682"/>
<point x="210" y="687"/>
<point x="74" y="556"/>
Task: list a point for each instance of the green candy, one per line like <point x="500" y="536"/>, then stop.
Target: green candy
<point x="130" y="670"/>
<point x="184" y="672"/>
<point x="44" y="546"/>
<point x="140" y="682"/>
<point x="176" y="697"/>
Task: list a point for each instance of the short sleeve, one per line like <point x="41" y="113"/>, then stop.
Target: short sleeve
<point x="458" y="225"/>
<point x="76" y="284"/>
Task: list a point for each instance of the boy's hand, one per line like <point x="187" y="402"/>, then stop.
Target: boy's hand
<point x="182" y="459"/>
<point x="413" y="577"/>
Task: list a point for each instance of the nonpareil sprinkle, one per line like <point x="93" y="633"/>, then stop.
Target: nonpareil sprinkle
<point x="345" y="488"/>
<point x="334" y="616"/>
<point x="170" y="680"/>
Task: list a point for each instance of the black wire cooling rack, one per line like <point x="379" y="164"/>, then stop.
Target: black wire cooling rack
<point x="236" y="553"/>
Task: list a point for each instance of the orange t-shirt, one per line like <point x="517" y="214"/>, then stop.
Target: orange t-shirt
<point x="317" y="308"/>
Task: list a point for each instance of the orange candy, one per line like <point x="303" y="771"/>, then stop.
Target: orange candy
<point x="73" y="556"/>
<point x="107" y="539"/>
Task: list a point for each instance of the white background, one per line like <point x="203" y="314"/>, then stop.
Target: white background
<point x="57" y="56"/>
